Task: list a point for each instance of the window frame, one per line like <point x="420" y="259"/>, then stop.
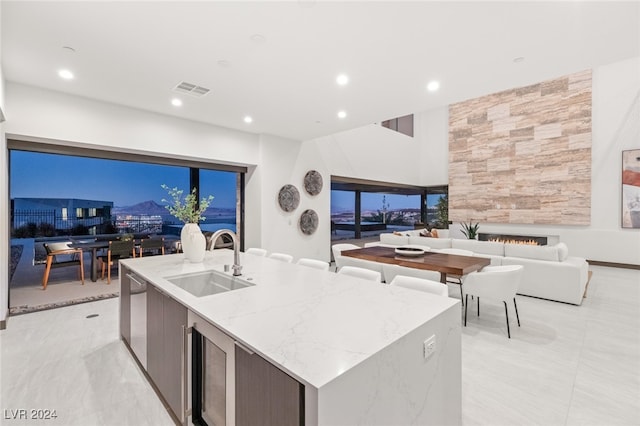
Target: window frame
<point x="50" y="146"/>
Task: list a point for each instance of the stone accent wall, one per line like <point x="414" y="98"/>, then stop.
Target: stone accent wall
<point x="523" y="155"/>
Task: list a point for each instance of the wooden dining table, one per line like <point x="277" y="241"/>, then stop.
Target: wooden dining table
<point x="441" y="262"/>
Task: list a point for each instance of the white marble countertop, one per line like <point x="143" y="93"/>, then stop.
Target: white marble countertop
<point x="313" y="324"/>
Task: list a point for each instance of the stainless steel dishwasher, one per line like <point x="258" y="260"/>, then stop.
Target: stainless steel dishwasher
<point x="139" y="318"/>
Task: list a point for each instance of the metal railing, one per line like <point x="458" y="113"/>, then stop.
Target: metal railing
<point x="49" y="223"/>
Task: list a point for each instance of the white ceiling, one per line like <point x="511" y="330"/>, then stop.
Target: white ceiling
<point x="135" y="53"/>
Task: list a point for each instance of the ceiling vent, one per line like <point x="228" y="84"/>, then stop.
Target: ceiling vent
<point x="191" y="89"/>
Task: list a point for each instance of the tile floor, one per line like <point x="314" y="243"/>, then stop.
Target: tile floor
<point x="64" y="287"/>
<point x="566" y="365"/>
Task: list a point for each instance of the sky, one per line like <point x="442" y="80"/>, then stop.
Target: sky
<point x="37" y="175"/>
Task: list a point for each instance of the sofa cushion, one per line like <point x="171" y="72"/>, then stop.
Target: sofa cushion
<point x="396" y="240"/>
<point x="442" y="233"/>
<point x="559" y="281"/>
<point x="563" y="251"/>
<point x="425" y="233"/>
<point x="436" y="243"/>
<point x="532" y="252"/>
<point x="412" y="232"/>
<point x="484" y="247"/>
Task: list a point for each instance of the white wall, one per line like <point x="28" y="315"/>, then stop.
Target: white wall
<point x="372" y="152"/>
<point x="284" y="162"/>
<point x="4" y="223"/>
<point x="4" y="199"/>
<point x="375" y="153"/>
<point x="432" y="127"/>
<point x="46" y="114"/>
<point x="2" y="100"/>
<point x="615" y="127"/>
<point x="37" y="113"/>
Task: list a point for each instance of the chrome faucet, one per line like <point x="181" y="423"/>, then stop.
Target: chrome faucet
<point x="237" y="268"/>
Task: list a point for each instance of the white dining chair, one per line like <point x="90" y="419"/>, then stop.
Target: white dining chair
<point x="313" y="263"/>
<point x="256" y="251"/>
<point x="459" y="252"/>
<point x="282" y="257"/>
<point x="366" y="274"/>
<point x="456" y="279"/>
<point x="494" y="282"/>
<point x="429" y="286"/>
<point x="337" y="249"/>
<point x="390" y="271"/>
<point x="342" y="261"/>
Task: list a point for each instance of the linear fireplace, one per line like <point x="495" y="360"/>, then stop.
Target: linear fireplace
<point x="536" y="240"/>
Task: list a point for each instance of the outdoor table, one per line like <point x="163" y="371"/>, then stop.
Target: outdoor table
<point x="94" y="246"/>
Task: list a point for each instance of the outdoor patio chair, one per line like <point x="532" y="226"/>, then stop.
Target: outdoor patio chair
<point x="224" y="241"/>
<point x="151" y="246"/>
<point x="117" y="250"/>
<point x="60" y="255"/>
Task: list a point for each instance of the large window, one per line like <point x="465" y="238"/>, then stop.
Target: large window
<point x="437" y="208"/>
<point x="402" y="124"/>
<point x="363" y="208"/>
<point x="394" y="210"/>
<point x="61" y="194"/>
<point x="223" y="212"/>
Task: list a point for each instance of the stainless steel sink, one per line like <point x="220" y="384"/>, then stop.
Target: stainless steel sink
<point x="210" y="282"/>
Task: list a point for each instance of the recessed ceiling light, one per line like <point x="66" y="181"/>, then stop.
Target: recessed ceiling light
<point x="65" y="74"/>
<point x="248" y="119"/>
<point x="258" y="38"/>
<point x="342" y="114"/>
<point x="69" y="49"/>
<point x="224" y="63"/>
<point x="342" y="79"/>
<point x="176" y="102"/>
<point x="433" y="86"/>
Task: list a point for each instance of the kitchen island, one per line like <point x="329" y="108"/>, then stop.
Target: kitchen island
<point x="360" y="352"/>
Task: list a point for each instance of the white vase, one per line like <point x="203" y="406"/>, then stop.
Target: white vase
<point x="193" y="242"/>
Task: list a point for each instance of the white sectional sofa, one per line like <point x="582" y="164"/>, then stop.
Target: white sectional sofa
<point x="549" y="271"/>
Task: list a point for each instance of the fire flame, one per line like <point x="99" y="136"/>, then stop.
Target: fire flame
<point x="507" y="241"/>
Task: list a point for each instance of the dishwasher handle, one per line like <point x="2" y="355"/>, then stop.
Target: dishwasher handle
<point x="136" y="280"/>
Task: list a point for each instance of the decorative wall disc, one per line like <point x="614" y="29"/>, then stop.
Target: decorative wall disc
<point x="313" y="182"/>
<point x="308" y="222"/>
<point x="289" y="198"/>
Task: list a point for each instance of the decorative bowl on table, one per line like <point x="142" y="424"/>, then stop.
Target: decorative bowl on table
<point x="409" y="251"/>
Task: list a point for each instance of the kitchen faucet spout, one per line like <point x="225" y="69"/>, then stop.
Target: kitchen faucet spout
<point x="237" y="268"/>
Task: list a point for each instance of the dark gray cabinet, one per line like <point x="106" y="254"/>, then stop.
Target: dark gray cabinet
<point x="154" y="325"/>
<point x="166" y="323"/>
<point x="265" y="395"/>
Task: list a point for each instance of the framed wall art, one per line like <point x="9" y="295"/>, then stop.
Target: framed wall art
<point x="631" y="189"/>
